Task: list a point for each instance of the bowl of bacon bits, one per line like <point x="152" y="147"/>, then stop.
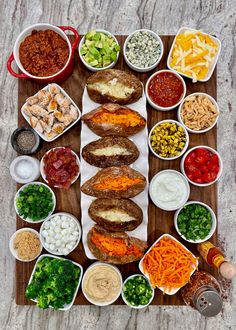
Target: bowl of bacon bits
<point x="60" y="167"/>
<point x="202" y="166"/>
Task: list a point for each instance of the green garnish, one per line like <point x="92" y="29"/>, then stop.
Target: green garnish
<point x="54" y="283"/>
<point x="34" y="202"/>
<point x="137" y="291"/>
<point x="99" y="49"/>
<point x="194" y="222"/>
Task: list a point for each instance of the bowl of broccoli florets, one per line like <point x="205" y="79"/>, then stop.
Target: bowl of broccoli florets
<point x="54" y="282"/>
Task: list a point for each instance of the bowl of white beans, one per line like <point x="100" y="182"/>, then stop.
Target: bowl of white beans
<point x="143" y="50"/>
<point x="60" y="233"/>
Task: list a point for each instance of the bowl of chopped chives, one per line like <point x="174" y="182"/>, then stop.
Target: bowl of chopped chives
<point x="143" y="50"/>
<point x="34" y="202"/>
<point x="195" y="222"/>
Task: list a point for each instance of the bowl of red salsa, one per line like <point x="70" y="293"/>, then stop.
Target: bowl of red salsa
<point x="202" y="166"/>
<point x="165" y="90"/>
<point x="60" y="167"/>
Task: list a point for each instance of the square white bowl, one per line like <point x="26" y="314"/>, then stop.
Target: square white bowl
<point x="67" y="128"/>
<point x="67" y="306"/>
<point x="212" y="67"/>
<point x="172" y="291"/>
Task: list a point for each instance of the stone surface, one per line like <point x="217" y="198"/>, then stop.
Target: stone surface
<point x="121" y="17"/>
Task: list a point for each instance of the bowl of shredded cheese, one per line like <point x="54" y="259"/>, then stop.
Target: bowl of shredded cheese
<point x="198" y="113"/>
<point x="194" y="54"/>
<point x="25" y="244"/>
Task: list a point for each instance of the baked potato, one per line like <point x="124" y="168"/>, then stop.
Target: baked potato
<point x="114" y="86"/>
<point x="114" y="119"/>
<point x="115" y="182"/>
<point x="114" y="247"/>
<point x="116" y="214"/>
<point x="110" y="151"/>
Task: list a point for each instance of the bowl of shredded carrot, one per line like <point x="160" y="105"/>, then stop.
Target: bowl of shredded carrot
<point x="168" y="264"/>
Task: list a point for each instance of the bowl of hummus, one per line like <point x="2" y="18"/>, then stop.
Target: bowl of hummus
<point x="102" y="284"/>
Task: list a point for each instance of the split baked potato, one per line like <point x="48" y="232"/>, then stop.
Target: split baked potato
<point x="115" y="86"/>
<point x="115" y="182"/>
<point x="114" y="247"/>
<point x="116" y="214"/>
<point x="110" y="151"/>
<point x="114" y="119"/>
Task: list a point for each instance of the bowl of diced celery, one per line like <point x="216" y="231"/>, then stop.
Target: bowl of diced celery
<point x="195" y="222"/>
<point x="35" y="202"/>
<point x="99" y="50"/>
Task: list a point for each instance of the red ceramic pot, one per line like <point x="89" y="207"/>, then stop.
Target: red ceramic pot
<point x="61" y="75"/>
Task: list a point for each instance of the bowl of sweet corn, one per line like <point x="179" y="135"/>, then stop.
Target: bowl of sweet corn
<point x="168" y="139"/>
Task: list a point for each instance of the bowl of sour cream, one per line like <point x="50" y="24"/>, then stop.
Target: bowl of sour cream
<point x="169" y="190"/>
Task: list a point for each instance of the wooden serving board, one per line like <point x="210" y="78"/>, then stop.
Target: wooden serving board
<point x="69" y="200"/>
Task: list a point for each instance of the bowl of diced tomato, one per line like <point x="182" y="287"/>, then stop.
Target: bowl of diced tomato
<point x="202" y="166"/>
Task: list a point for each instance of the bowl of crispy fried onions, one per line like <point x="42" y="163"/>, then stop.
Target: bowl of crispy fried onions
<point x="198" y="112"/>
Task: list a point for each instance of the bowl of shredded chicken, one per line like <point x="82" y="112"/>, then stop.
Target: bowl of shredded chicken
<point x="198" y="112"/>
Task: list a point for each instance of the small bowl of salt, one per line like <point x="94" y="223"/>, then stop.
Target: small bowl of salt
<point x="25" y="169"/>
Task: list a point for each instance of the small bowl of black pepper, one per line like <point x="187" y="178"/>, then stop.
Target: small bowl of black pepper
<point x="25" y="141"/>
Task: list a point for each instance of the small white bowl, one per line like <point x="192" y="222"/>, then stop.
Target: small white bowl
<point x="42" y="240"/>
<point x="14" y="251"/>
<point x="213" y="225"/>
<point x="184" y="200"/>
<point x="201" y="184"/>
<point x="20" y="177"/>
<point x="67" y="306"/>
<point x="91" y="68"/>
<point x="202" y="130"/>
<point x="140" y="306"/>
<point x="42" y="166"/>
<point x="136" y="68"/>
<point x="156" y="106"/>
<point x="211" y="70"/>
<point x="96" y="302"/>
<point x="186" y="143"/>
<point x="40" y="184"/>
<point x="170" y="292"/>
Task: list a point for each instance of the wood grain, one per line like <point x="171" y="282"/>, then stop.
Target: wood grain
<point x="69" y="201"/>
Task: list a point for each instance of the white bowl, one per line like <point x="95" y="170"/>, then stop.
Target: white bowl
<point x="42" y="166"/>
<point x="140" y="306"/>
<point x="53" y="199"/>
<point x="201" y="184"/>
<point x="184" y="199"/>
<point x="34" y="162"/>
<point x="136" y="68"/>
<point x="175" y="290"/>
<point x="210" y="72"/>
<point x="186" y="143"/>
<point x="91" y="68"/>
<point x="158" y="107"/>
<point x="39" y="27"/>
<point x="102" y="303"/>
<point x="67" y="306"/>
<point x="180" y="110"/>
<point x="213" y="225"/>
<point x="27" y="118"/>
<point x="42" y="240"/>
<point x="14" y="251"/>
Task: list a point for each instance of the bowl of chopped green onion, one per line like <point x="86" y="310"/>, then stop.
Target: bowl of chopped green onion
<point x="137" y="291"/>
<point x="195" y="222"/>
<point x="35" y="202"/>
